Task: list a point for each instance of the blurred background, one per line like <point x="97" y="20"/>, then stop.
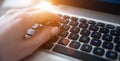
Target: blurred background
<point x="8" y="4"/>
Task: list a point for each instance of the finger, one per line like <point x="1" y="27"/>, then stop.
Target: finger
<point x="37" y="16"/>
<point x="43" y="17"/>
<point x="44" y="34"/>
<point x="46" y="15"/>
<point x="40" y="38"/>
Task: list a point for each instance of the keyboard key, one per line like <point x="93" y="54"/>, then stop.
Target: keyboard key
<point x="74" y="23"/>
<point x="63" y="41"/>
<point x="74" y="44"/>
<point x="83" y="25"/>
<point x="107" y="37"/>
<point x="96" y="35"/>
<point x="74" y="18"/>
<point x="118" y="28"/>
<point x="65" y="21"/>
<point x="100" y="24"/>
<point x="75" y="29"/>
<point x="77" y="54"/>
<point x="65" y="27"/>
<point x="54" y="39"/>
<point x="47" y="45"/>
<point x="84" y="39"/>
<point x="86" y="48"/>
<point x="99" y="51"/>
<point x="104" y="30"/>
<point x="111" y="55"/>
<point x="73" y="36"/>
<point x="119" y="58"/>
<point x="93" y="28"/>
<point x="115" y="32"/>
<point x="91" y="22"/>
<point x="63" y="33"/>
<point x="107" y="45"/>
<point x="66" y="17"/>
<point x="95" y="42"/>
<point x="109" y="26"/>
<point x="117" y="48"/>
<point x="117" y="40"/>
<point x="85" y="32"/>
<point x="83" y="20"/>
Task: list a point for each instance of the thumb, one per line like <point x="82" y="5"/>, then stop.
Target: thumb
<point x="41" y="37"/>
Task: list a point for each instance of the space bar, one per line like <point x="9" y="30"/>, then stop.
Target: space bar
<point x="77" y="54"/>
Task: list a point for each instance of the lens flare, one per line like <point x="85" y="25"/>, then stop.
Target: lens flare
<point x="44" y="5"/>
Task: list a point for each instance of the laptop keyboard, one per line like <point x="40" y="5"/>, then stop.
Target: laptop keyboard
<point x="86" y="40"/>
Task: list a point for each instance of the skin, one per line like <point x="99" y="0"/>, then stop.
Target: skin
<point x="13" y="27"/>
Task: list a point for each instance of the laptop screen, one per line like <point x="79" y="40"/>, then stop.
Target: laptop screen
<point x="109" y="6"/>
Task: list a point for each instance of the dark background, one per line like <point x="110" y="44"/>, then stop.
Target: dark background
<point x="92" y="4"/>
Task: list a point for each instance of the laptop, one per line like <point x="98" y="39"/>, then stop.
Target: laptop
<point x="90" y="31"/>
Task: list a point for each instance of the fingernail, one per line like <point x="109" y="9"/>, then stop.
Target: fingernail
<point x="54" y="30"/>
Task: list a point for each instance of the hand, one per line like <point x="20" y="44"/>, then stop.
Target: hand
<point x="13" y="26"/>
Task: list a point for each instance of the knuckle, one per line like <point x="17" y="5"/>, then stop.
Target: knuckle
<point x="11" y="11"/>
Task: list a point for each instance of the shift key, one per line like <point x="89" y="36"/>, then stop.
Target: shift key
<point x="76" y="54"/>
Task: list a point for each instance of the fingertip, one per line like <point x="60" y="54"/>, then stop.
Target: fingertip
<point x="54" y="30"/>
<point x="43" y="35"/>
<point x="42" y="16"/>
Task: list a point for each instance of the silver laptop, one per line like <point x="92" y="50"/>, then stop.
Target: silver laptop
<point x="90" y="31"/>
